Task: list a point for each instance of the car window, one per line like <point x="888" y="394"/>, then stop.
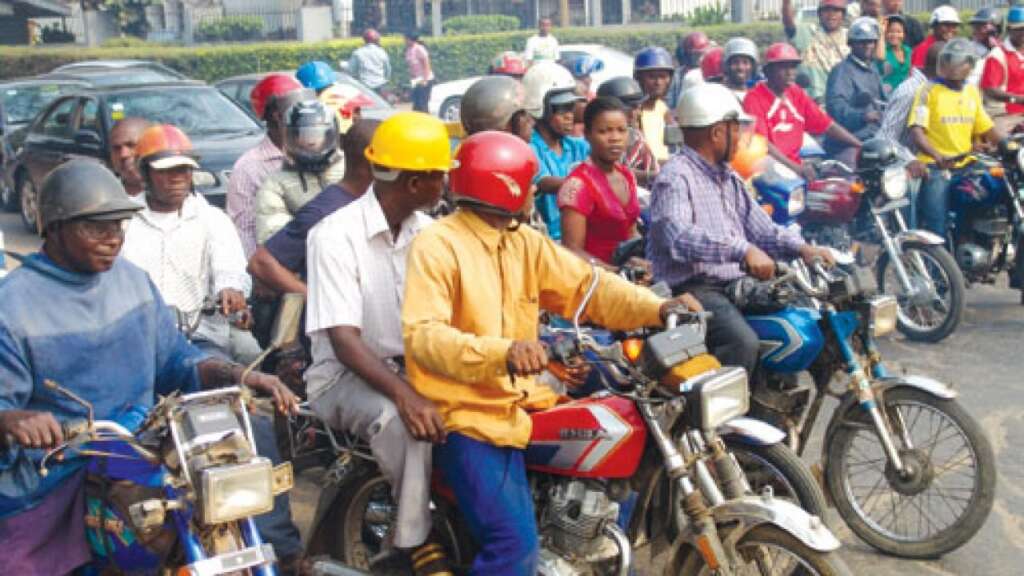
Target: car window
<point x="22" y="103"/>
<point x="196" y="110"/>
<point x="244" y="96"/>
<point x="89" y="118"/>
<point x="59" y="119"/>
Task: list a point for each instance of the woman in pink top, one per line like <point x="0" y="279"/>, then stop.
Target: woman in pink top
<point x="421" y="75"/>
<point x="598" y="199"/>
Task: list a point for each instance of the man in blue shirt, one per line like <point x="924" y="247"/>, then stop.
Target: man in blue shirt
<point x="78" y="315"/>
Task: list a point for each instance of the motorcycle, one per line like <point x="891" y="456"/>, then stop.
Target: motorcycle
<point x="654" y="433"/>
<point x="895" y="445"/>
<point x="987" y="216"/>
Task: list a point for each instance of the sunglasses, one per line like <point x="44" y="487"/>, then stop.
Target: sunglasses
<point x="100" y="230"/>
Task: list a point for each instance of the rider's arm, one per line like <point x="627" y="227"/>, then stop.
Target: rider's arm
<point x="574" y="236"/>
<point x="920" y="138"/>
<point x="789" y="18"/>
<point x="549" y="184"/>
<point x="992" y="77"/>
<point x="840" y="134"/>
<point x="271" y="211"/>
<point x="267" y="269"/>
<point x="227" y="259"/>
<point x="773" y="239"/>
<point x="675" y="232"/>
<point x="838" y="100"/>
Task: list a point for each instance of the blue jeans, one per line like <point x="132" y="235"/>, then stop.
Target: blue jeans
<point x="494" y="497"/>
<point x="933" y="201"/>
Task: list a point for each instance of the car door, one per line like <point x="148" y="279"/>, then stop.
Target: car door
<point x="49" y="140"/>
<point x="87" y="132"/>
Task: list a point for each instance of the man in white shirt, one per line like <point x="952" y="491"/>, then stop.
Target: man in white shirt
<point x="356" y="277"/>
<point x="542" y="46"/>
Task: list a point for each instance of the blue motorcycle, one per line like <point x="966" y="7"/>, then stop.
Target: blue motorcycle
<point x="908" y="468"/>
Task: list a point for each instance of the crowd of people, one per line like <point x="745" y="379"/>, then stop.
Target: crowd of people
<point x="422" y="333"/>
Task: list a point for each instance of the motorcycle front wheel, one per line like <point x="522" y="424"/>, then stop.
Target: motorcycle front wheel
<point x="947" y="493"/>
<point x="927" y="315"/>
<point x="776" y="465"/>
<point x="766" y="550"/>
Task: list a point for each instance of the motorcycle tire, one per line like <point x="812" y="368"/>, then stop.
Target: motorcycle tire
<point x="840" y="448"/>
<point x="1018" y="268"/>
<point x="809" y="562"/>
<point x="956" y="287"/>
<point x="785" y="466"/>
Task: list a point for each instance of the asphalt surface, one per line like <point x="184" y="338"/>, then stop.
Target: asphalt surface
<point x="984" y="360"/>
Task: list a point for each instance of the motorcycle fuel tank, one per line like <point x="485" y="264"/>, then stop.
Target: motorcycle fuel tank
<point x="830" y="201"/>
<point x="595" y="437"/>
<point x="790" y="339"/>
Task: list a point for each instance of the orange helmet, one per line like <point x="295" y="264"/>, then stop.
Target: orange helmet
<point x="164" y="146"/>
<point x="750" y="155"/>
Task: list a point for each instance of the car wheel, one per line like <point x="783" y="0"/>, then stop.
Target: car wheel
<point x="29" y="204"/>
<point x="449" y="111"/>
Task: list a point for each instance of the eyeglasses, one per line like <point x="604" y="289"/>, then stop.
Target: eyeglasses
<point x="100" y="230"/>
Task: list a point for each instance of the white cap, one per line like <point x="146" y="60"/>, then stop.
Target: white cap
<point x="168" y="162"/>
<point x="945" y="14"/>
<point x="709" y="103"/>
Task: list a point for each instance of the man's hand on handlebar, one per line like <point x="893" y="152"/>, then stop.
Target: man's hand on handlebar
<point x="526" y="358"/>
<point x="285" y="400"/>
<point x="686" y="301"/>
<point x="811" y="254"/>
<point x="758" y="264"/>
<point x="30" y="428"/>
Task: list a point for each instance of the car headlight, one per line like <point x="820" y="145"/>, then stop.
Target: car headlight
<point x="203" y="179"/>
<point x="717" y="397"/>
<point x="882" y="312"/>
<point x="237" y="491"/>
<point x="894" y="182"/>
<point x="796" y="201"/>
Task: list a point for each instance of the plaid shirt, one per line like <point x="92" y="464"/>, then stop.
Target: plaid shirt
<point x="247" y="175"/>
<point x="703" y="221"/>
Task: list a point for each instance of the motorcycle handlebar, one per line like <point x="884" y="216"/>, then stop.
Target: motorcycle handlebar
<point x="787" y="273"/>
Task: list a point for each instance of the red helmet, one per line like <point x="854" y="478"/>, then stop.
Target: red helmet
<point x="493" y="170"/>
<point x="371" y="36"/>
<point x="840" y="4"/>
<point x="508" y="64"/>
<point x="711" y="63"/>
<point x="696" y="41"/>
<point x="779" y="53"/>
<point x="271" y="87"/>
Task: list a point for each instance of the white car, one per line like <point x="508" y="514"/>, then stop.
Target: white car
<point x="446" y="97"/>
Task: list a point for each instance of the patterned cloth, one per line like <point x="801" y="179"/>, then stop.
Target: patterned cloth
<point x="894" y="121"/>
<point x="821" y="52"/>
<point x="703" y="221"/>
<point x="249" y="172"/>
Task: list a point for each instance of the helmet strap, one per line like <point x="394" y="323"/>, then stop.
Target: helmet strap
<point x="478" y="206"/>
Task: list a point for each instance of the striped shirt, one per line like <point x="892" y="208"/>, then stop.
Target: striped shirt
<point x="894" y="121"/>
<point x="249" y="172"/>
<point x="703" y="221"/>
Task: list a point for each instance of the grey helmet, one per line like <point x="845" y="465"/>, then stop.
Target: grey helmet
<point x="490" y="103"/>
<point x="626" y="89"/>
<point x="956" y="59"/>
<point x="863" y="29"/>
<point x="83" y="188"/>
<point x="740" y="47"/>
<point x="988" y="15"/>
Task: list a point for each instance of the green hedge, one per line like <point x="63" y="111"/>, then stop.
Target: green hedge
<point x="480" y="24"/>
<point x="230" y="29"/>
<point x="453" y="56"/>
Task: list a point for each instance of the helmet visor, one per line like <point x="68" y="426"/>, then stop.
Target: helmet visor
<point x="311" y="139"/>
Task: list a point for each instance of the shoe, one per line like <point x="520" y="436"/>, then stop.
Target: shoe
<point x="430" y="560"/>
<point x="295" y="565"/>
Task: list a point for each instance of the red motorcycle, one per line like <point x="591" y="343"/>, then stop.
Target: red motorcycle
<point x="650" y="433"/>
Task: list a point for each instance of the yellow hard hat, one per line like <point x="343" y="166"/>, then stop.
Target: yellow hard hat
<point x="411" y="141"/>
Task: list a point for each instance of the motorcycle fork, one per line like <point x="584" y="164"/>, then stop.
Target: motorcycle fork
<point x="892" y="247"/>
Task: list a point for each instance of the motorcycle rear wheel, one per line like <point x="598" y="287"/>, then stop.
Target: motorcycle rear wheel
<point x="781" y="546"/>
<point x="776" y="465"/>
<point x="949" y="444"/>
<point x="926" y="323"/>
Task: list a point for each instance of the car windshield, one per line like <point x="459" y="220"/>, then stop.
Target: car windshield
<point x="119" y="77"/>
<point x="199" y="110"/>
<point x="22" y="103"/>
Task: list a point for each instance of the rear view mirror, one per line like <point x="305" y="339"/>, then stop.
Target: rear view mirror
<point x="289" y="319"/>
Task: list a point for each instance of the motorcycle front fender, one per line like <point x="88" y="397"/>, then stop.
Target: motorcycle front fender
<point x="919" y="237"/>
<point x="752" y="511"/>
<point x="751" y="431"/>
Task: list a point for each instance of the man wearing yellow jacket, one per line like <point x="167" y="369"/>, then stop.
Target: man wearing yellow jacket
<point x="475" y="285"/>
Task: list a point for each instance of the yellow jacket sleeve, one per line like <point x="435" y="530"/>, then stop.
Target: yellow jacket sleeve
<point x="430" y="339"/>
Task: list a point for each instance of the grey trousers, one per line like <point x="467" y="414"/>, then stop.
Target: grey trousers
<point x="349" y="403"/>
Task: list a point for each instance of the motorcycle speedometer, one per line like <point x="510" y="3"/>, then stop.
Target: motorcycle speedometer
<point x="894" y="182"/>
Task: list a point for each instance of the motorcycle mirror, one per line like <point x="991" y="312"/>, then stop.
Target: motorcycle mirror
<point x="289" y="319"/>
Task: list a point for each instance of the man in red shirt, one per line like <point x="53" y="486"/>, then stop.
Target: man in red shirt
<point x="945" y="22"/>
<point x="1002" y="81"/>
<point x="783" y="111"/>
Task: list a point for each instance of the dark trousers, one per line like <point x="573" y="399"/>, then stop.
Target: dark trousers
<point x="276" y="527"/>
<point x="729" y="339"/>
<point x="421" y="96"/>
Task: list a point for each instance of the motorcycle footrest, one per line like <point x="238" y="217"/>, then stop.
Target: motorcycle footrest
<point x="234" y="562"/>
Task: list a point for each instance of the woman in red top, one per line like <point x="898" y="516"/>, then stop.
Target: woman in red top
<point x="598" y="199"/>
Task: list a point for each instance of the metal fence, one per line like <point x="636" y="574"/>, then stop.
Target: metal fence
<point x="277" y="24"/>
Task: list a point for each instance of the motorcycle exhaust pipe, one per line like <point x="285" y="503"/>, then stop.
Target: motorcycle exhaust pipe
<point x="614" y="532"/>
<point x="327" y="567"/>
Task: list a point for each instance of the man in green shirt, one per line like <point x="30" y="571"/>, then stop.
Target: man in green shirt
<point x="822" y="44"/>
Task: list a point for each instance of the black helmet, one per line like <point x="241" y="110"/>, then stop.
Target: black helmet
<point x="83" y="188"/>
<point x="490" y="103"/>
<point x="988" y="15"/>
<point x="311" y="135"/>
<point x="625" y="89"/>
<point x="877" y="153"/>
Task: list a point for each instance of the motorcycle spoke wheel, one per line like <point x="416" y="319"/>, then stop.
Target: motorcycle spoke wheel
<point x="770" y="551"/>
<point x="940" y="503"/>
<point x="932" y="317"/>
<point x="780" y="468"/>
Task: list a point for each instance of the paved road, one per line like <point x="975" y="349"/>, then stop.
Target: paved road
<point x="984" y="360"/>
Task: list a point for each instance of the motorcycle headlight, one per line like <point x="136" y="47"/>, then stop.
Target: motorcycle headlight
<point x="717" y="397"/>
<point x="894" y="183"/>
<point x="882" y="315"/>
<point x="236" y="491"/>
<point x="796" y="201"/>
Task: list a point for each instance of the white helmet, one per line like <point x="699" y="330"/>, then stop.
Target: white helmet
<point x="740" y="47"/>
<point x="707" y="104"/>
<point x="945" y="15"/>
<point x="547" y="83"/>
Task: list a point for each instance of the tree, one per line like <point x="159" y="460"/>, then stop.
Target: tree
<point x="129" y="14"/>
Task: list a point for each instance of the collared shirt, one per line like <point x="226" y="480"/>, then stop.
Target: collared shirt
<point x="371" y="65"/>
<point x="783" y="120"/>
<point x="703" y="221"/>
<point x="821" y="52"/>
<point x="285" y="191"/>
<point x="356" y="278"/>
<point x="288" y="245"/>
<point x="894" y="121"/>
<point x="574" y="151"/>
<point x="190" y="255"/>
<point x="652" y="122"/>
<point x="950" y="119"/>
<point x="471" y="290"/>
<point x="541" y="48"/>
<point x="249" y="172"/>
<point x="1004" y="69"/>
<point x="851" y="83"/>
<point x="418" y="60"/>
